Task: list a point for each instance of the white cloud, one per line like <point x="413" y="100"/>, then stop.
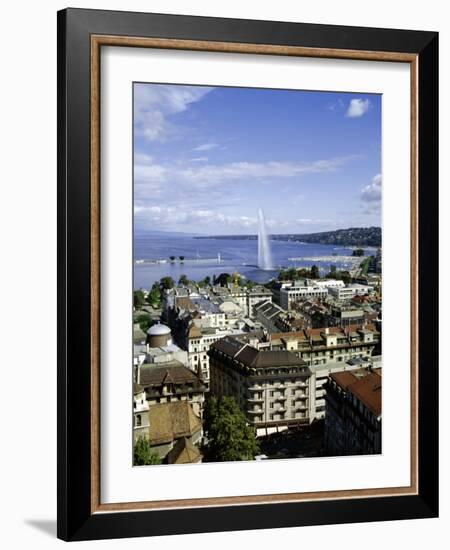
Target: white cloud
<point x="357" y="108"/>
<point x="371" y="196"/>
<point x="371" y="193"/>
<point x="211" y="175"/>
<point x="170" y="217"/>
<point x="172" y="196"/>
<point x="199" y="159"/>
<point x="313" y="220"/>
<point x="339" y="104"/>
<point x="142" y="158"/>
<point x="205" y="147"/>
<point x="206" y="220"/>
<point x="154" y="103"/>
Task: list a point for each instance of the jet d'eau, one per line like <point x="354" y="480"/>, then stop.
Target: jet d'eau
<point x="264" y="252"/>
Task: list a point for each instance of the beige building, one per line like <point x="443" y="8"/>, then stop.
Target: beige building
<point x="200" y="340"/>
<point x="318" y="346"/>
<point x="273" y="388"/>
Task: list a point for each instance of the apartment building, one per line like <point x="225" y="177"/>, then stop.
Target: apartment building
<point x="273" y="388"/>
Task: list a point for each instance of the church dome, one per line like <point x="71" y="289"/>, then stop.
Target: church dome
<point x="158" y="330"/>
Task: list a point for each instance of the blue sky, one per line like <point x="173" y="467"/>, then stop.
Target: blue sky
<point x="205" y="159"/>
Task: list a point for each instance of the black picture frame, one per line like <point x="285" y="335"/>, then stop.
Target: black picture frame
<point x="75" y="518"/>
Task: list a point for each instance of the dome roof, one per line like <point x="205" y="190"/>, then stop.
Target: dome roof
<point x="158" y="330"/>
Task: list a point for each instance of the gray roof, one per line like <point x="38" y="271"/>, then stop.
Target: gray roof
<point x="252" y="357"/>
<point x="203" y="304"/>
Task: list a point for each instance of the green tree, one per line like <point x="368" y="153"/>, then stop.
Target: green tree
<point x="315" y="274"/>
<point x="333" y="272"/>
<point x="183" y="280"/>
<point x="223" y="279"/>
<point x="364" y="265"/>
<point x="172" y="258"/>
<point x="144" y="454"/>
<point x="358" y="252"/>
<point x="229" y="436"/>
<point x="144" y="321"/>
<point x="154" y="296"/>
<point x="346" y="277"/>
<point x="138" y="298"/>
<point x="166" y="283"/>
<point x="181" y="259"/>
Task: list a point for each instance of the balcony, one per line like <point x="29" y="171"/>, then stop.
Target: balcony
<point x="255" y="411"/>
<point x="280" y="398"/>
<point x="255" y="399"/>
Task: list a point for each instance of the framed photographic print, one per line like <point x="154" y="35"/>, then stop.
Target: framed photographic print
<point x="247" y="274"/>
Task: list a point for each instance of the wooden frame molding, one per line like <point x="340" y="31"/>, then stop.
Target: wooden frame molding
<point x="96" y="42"/>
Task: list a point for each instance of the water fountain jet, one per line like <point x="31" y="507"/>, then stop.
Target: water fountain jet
<point x="264" y="252"/>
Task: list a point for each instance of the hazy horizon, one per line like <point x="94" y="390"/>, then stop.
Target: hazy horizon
<point x="149" y="231"/>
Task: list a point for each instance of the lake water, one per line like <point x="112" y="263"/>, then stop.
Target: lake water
<point x="235" y="255"/>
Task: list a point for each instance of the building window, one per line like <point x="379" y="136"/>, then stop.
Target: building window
<point x="138" y="420"/>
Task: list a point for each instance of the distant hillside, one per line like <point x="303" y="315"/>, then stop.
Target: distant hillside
<point x="354" y="236"/>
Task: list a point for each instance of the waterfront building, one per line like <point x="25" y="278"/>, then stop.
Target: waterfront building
<point x="353" y="413"/>
<point x="273" y="388"/>
<point x="349" y="291"/>
<point x="291" y="292"/>
<point x="325" y="283"/>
